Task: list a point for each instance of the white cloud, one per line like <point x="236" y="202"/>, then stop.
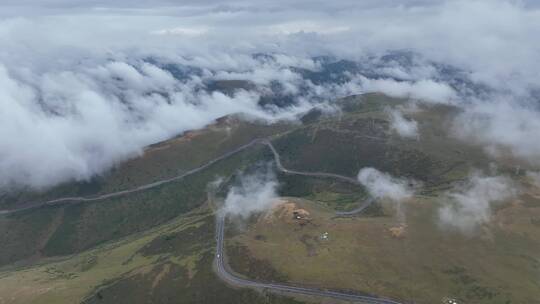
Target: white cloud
<point x="257" y="192"/>
<point x="295" y="27"/>
<point x="383" y="185"/>
<point x="502" y="126"/>
<point x="74" y="87"/>
<point x="426" y="90"/>
<point x="404" y="127"/>
<point x="181" y="31"/>
<point x="76" y="124"/>
<point x="470" y="205"/>
<point x="535" y="177"/>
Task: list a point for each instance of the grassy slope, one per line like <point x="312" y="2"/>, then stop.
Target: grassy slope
<point x="159" y="161"/>
<point x="498" y="265"/>
<point x="325" y="144"/>
<point x="361" y="138"/>
<point x="168" y="264"/>
<point x="68" y="229"/>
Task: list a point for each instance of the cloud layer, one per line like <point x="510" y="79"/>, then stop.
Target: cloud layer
<point x="382" y="185"/>
<point x="470" y="205"/>
<point x="255" y="193"/>
<point x="75" y="124"/>
<point x="404" y="127"/>
<point x="500" y="126"/>
<point x="86" y="84"/>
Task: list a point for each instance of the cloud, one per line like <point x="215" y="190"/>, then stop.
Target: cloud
<point x="295" y="27"/>
<point x="404" y="127"/>
<point x="182" y="31"/>
<point x="426" y="90"/>
<point x="73" y="125"/>
<point x="535" y="177"/>
<point x="469" y="205"/>
<point x="502" y="126"/>
<point x="382" y="185"/>
<point x="255" y="193"/>
<point x="84" y="83"/>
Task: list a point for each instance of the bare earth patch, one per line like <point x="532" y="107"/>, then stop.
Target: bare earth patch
<point x="406" y="259"/>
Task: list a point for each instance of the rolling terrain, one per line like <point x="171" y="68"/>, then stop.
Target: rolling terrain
<point x="158" y="243"/>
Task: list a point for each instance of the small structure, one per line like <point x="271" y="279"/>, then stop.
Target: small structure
<point x="450" y="301"/>
<point x="288" y="211"/>
<point x="299" y="215"/>
<point x="398" y="233"/>
<point x="324" y="236"/>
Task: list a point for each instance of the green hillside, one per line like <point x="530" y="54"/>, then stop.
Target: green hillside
<point x="157" y="245"/>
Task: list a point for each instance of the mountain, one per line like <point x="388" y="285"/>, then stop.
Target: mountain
<point x="154" y="238"/>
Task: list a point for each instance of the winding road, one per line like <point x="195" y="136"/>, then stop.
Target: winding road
<point x="277" y="159"/>
<point x="219" y="260"/>
<point x="83" y="199"/>
<point x="235" y="280"/>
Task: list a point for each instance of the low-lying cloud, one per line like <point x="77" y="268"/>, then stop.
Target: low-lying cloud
<point x="470" y="205"/>
<point x="86" y="85"/>
<point x="407" y="128"/>
<point x="382" y="185"/>
<point x="425" y="90"/>
<point x="534" y="177"/>
<point x="73" y="125"/>
<point x="502" y="126"/>
<point x="256" y="192"/>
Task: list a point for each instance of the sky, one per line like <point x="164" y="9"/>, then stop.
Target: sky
<point x="77" y="95"/>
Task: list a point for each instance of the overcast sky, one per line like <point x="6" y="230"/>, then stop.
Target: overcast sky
<point x="73" y="86"/>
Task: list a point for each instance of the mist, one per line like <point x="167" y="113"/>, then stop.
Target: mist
<point x="470" y="205"/>
<point x="86" y="85"/>
<point x="255" y="192"/>
<point x="407" y="128"/>
<point x="382" y="185"/>
<point x="535" y="178"/>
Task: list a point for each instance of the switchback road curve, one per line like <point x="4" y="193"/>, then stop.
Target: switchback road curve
<point x="277" y="158"/>
<point x="219" y="261"/>
<point x="227" y="276"/>
<point x="83" y="199"/>
<point x="231" y="278"/>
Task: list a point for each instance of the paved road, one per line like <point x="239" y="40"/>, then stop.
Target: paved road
<point x="342" y="178"/>
<point x="233" y="279"/>
<point x="358" y="210"/>
<point x="82" y="199"/>
<point x="220" y="226"/>
<point x="277" y="158"/>
<point x="224" y="273"/>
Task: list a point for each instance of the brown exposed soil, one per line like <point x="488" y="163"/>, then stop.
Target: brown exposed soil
<point x="288" y="212"/>
<point x="398" y="232"/>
